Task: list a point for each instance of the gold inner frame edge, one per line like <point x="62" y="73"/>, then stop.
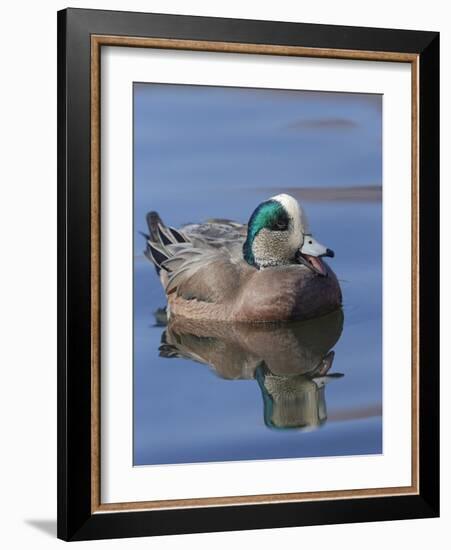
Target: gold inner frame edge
<point x="97" y="41"/>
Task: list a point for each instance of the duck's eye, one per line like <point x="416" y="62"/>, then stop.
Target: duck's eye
<point x="281" y="225"/>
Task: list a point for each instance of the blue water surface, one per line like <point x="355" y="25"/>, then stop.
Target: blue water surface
<point x="202" y="152"/>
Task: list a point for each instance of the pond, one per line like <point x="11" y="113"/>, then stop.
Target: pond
<point x="312" y="389"/>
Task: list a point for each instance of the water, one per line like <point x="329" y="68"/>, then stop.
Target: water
<point x="230" y="406"/>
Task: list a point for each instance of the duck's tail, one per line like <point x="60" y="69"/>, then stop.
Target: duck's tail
<point x="159" y="238"/>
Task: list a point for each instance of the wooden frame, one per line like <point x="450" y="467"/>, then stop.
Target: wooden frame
<point x="81" y="34"/>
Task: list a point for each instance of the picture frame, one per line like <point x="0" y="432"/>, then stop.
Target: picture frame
<point x="81" y="36"/>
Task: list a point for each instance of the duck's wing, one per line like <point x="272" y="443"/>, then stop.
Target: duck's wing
<point x="196" y="272"/>
<point x="198" y="261"/>
<point x="216" y="233"/>
<point x="203" y="275"/>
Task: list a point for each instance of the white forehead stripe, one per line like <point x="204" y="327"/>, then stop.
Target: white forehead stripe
<point x="294" y="210"/>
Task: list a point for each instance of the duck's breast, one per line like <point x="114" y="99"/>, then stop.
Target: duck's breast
<point x="287" y="293"/>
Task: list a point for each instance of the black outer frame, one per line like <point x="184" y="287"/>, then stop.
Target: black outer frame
<point x="75" y="520"/>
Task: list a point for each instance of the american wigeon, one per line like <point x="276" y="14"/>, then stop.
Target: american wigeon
<point x="271" y="269"/>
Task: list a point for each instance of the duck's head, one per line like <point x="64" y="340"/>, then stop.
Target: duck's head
<point x="278" y="234"/>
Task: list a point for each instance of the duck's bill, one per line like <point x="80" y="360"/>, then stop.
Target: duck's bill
<point x="311" y="253"/>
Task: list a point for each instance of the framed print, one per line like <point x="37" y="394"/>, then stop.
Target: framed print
<point x="248" y="274"/>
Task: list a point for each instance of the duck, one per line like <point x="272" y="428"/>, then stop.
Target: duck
<point x="268" y="270"/>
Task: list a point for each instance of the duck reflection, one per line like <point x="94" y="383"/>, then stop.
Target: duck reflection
<point x="291" y="362"/>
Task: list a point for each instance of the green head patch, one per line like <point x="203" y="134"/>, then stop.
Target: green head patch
<point x="269" y="215"/>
